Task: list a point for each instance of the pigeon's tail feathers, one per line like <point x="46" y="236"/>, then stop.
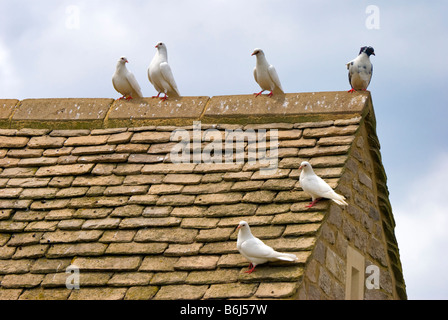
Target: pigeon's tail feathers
<point x="339" y="199"/>
<point x="174" y="93"/>
<point x="278" y="90"/>
<point x="139" y="94"/>
<point x="286" y="256"/>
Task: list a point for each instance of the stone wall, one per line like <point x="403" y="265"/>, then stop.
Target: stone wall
<point x="361" y="225"/>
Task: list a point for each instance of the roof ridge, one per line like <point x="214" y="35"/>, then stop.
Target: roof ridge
<point x="97" y="113"/>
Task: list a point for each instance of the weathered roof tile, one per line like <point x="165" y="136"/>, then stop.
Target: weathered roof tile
<point x="171" y="235"/>
<point x="169" y="278"/>
<point x="108" y="263"/>
<point x="101" y="293"/>
<point x="230" y="290"/>
<point x="13" y="142"/>
<point x="130" y="279"/>
<point x="79" y="249"/>
<point x="63" y="170"/>
<point x="201" y="262"/>
<point x="181" y="292"/>
<point x="133" y="248"/>
<point x="86" y="140"/>
<point x="274" y="290"/>
<point x="14" y="281"/>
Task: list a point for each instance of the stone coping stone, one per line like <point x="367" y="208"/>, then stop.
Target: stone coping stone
<point x="101" y="113"/>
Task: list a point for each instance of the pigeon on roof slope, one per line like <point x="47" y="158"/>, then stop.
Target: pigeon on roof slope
<point x="124" y="81"/>
<point x="254" y="250"/>
<point x="360" y="70"/>
<point x="316" y="187"/>
<point x="160" y="74"/>
<point x="266" y="75"/>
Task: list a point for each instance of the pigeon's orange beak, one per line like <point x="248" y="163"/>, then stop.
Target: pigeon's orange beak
<point x="253" y="53"/>
<point x="239" y="226"/>
<point x="300" y="168"/>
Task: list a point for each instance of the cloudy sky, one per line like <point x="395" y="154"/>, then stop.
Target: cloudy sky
<point x="51" y="49"/>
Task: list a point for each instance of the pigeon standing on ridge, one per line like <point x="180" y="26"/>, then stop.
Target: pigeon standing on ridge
<point x="316" y="187"/>
<point x="254" y="250"/>
<point x="265" y="75"/>
<point x="124" y="81"/>
<point x="160" y="74"/>
<point x="360" y="70"/>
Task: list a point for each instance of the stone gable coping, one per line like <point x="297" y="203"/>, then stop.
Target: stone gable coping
<point x="75" y="115"/>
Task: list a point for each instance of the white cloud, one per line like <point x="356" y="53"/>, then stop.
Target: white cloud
<point x="422" y="231"/>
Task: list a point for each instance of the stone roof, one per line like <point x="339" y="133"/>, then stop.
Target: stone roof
<point x="90" y="183"/>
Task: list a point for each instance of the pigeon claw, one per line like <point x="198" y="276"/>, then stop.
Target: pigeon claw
<point x="270" y="94"/>
<point x="127" y="98"/>
<point x="351" y="90"/>
<point x="156" y="95"/>
<point x="164" y="98"/>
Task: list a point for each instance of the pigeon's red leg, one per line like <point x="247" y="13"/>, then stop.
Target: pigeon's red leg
<point x="164" y="98"/>
<point x="121" y="98"/>
<point x="351" y="90"/>
<point x="270" y="94"/>
<point x="251" y="268"/>
<point x="156" y="95"/>
<point x="257" y="94"/>
<point x="128" y="98"/>
<point x="313" y="203"/>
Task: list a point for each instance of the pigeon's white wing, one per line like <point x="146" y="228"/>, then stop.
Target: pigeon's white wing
<point x="169" y="78"/>
<point x="365" y="73"/>
<point x="315" y="185"/>
<point x="134" y="84"/>
<point x="323" y="190"/>
<point x="152" y="66"/>
<point x="349" y="64"/>
<point x="115" y="83"/>
<point x="350" y="69"/>
<point x="256" y="248"/>
<point x="149" y="76"/>
<point x="255" y="74"/>
<point x="274" y="77"/>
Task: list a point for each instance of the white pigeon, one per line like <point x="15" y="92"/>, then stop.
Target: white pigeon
<point x="266" y="75"/>
<point x="316" y="187"/>
<point x="160" y="74"/>
<point x="124" y="81"/>
<point x="360" y="70"/>
<point x="254" y="250"/>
